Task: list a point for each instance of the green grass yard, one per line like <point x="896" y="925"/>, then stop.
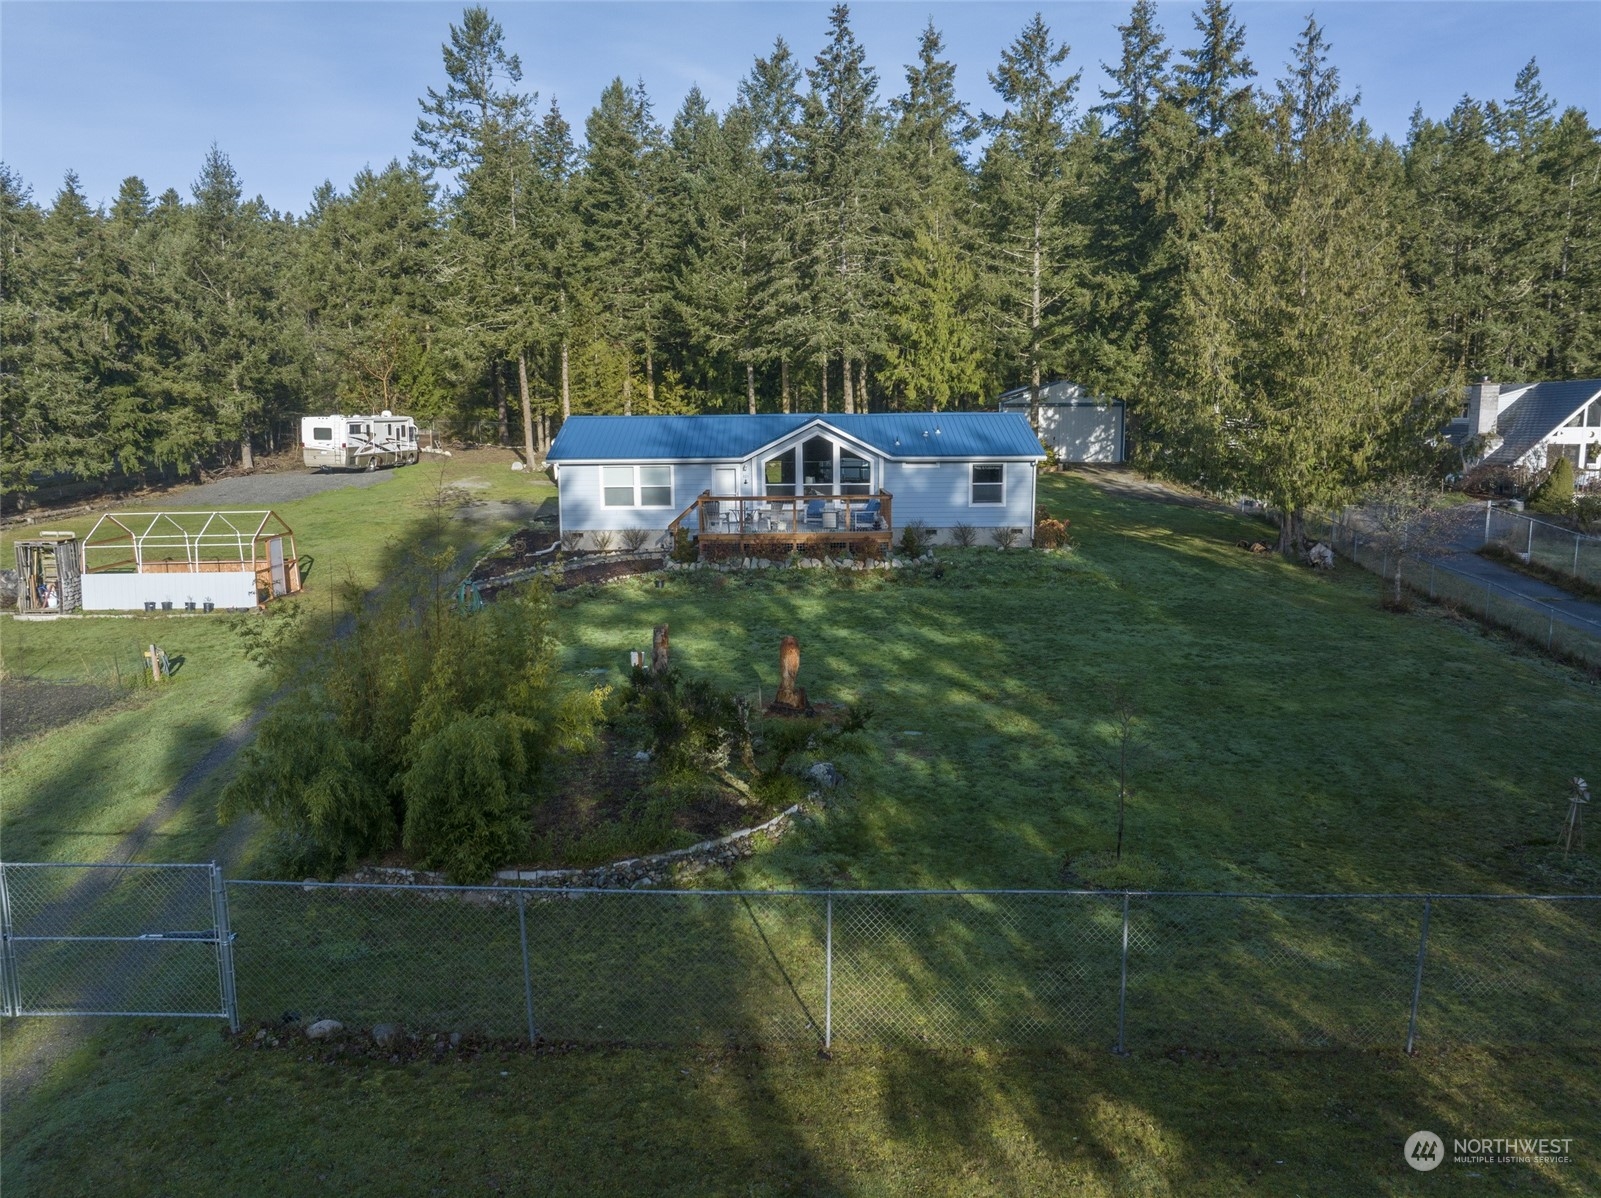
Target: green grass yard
<point x="174" y="1110"/>
<point x="71" y="793"/>
<point x="1292" y="737"/>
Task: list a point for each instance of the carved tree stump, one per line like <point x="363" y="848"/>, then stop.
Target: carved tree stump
<point x="658" y="649"/>
<point x="790" y="697"/>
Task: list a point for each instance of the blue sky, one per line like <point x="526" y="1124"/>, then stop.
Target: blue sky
<point x="296" y="93"/>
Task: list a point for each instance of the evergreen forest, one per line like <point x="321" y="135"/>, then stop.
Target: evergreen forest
<point x="1287" y="301"/>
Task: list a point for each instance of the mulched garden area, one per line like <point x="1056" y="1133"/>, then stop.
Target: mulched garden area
<point x="527" y="550"/>
<point x="605" y="788"/>
<point x="31" y="706"/>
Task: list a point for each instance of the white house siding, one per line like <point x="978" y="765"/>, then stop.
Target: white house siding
<point x="939" y="494"/>
<point x="583" y="512"/>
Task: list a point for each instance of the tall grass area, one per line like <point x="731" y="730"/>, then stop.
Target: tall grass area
<point x="71" y="793"/>
<point x="1288" y="734"/>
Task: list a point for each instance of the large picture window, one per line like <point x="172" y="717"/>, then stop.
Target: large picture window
<point x="989" y="484"/>
<point x="855" y="473"/>
<point x="818" y="466"/>
<point x="779" y="474"/>
<point x="636" y="486"/>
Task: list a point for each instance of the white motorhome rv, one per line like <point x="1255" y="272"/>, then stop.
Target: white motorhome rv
<point x="358" y="442"/>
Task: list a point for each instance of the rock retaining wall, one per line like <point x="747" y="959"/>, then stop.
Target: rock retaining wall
<point x="635" y="873"/>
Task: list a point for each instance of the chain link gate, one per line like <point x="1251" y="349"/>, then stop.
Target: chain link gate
<point x="116" y="940"/>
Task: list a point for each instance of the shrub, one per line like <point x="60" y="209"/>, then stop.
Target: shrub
<point x="867" y="551"/>
<point x="684" y="550"/>
<point x="603" y="541"/>
<point x="635" y="538"/>
<point x="396" y="712"/>
<point x="1554" y="495"/>
<point x="1050" y="533"/>
<point x="916" y="537"/>
<point x="964" y="535"/>
<point x="464" y="808"/>
<point x="1494" y="482"/>
<point x="1587" y="513"/>
<point x="1005" y="538"/>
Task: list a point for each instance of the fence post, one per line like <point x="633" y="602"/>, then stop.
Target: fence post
<point x="219" y="916"/>
<point x="1417" y="979"/>
<point x="1122" y="985"/>
<point x="1489" y="506"/>
<point x="1576" y="543"/>
<point x="528" y="981"/>
<point x="828" y="973"/>
<point x="11" y="998"/>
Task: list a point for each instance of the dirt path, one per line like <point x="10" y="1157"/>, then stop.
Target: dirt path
<point x="49" y="1041"/>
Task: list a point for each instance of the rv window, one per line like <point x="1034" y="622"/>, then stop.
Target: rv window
<point x="322" y="434"/>
<point x="355" y="430"/>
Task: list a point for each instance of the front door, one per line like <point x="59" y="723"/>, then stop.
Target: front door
<point x="725" y="480"/>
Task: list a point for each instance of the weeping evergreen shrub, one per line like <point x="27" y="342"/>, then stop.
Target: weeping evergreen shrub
<point x="422" y="724"/>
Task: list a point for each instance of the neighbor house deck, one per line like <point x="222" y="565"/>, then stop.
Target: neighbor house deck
<point x="762" y="523"/>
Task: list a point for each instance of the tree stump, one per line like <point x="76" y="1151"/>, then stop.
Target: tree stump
<point x="658" y="649"/>
<point x="791" y="699"/>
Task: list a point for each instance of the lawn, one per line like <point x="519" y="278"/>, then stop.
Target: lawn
<point x="1290" y="736"/>
<point x="177" y="1111"/>
<point x="72" y="793"/>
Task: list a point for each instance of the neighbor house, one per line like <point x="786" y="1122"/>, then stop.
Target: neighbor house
<point x="1528" y="425"/>
<point x="1079" y="427"/>
<point x="799" y="476"/>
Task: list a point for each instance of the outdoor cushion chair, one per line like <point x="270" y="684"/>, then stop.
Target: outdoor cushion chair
<point x="814" y="513"/>
<point x="866" y="516"/>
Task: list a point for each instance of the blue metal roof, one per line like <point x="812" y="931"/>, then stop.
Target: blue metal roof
<point x="914" y="435"/>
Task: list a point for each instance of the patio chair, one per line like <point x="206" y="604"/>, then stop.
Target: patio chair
<point x="867" y="516"/>
<point x="813" y="517"/>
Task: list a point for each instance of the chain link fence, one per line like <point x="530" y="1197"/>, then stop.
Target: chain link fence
<point x="1540" y="543"/>
<point x="1145" y="971"/>
<point x="1562" y="633"/>
<point x="115" y="940"/>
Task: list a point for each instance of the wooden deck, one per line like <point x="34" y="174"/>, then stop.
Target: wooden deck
<point x="760" y="525"/>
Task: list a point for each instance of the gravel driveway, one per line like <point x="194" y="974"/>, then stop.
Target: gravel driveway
<point x="269" y="490"/>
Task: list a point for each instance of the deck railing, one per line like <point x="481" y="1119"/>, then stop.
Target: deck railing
<point x="795" y="520"/>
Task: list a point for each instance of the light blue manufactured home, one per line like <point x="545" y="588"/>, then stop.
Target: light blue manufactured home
<point x="615" y="473"/>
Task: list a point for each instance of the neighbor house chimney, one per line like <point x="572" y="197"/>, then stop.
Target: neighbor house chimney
<point x="1484" y="405"/>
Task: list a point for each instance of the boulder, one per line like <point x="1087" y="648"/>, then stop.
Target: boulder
<point x="386" y="1034"/>
<point x="1320" y="556"/>
<point x="324" y="1029"/>
<point x="825" y="775"/>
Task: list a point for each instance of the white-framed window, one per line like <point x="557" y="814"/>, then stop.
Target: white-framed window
<point x="818" y="466"/>
<point x="322" y="433"/>
<point x="989" y="483"/>
<point x="636" y="486"/>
